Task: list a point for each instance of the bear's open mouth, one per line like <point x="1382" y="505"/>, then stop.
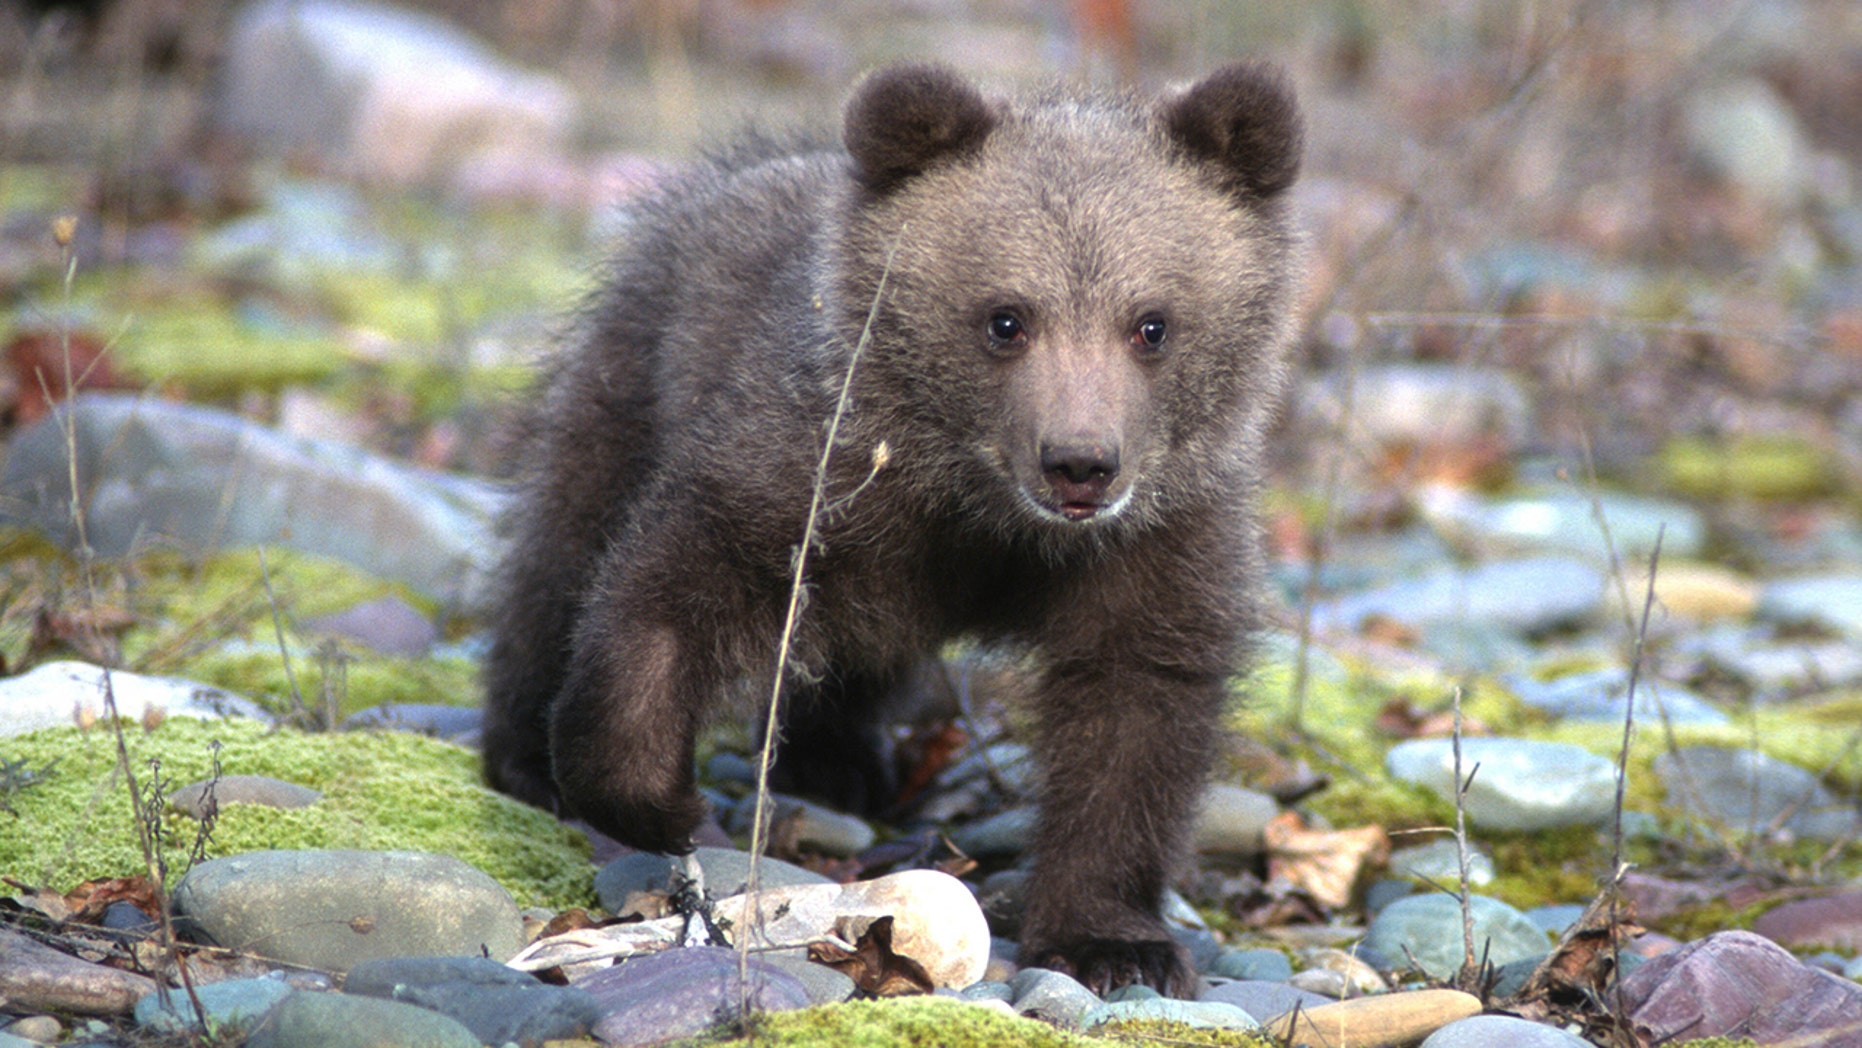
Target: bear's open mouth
<point x="1079" y="510"/>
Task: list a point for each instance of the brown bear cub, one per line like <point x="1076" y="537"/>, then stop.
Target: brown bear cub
<point x="1071" y="315"/>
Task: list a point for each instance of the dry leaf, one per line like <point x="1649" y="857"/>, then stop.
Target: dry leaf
<point x="871" y="964"/>
<point x="1324" y="863"/>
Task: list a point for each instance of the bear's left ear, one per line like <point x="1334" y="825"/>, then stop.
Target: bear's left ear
<point x="904" y="118"/>
<point x="1243" y="119"/>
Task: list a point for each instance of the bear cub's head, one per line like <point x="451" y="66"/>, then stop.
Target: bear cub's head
<point x="1086" y="297"/>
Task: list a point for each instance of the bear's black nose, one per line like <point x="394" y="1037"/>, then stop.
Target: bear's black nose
<point x="1079" y="472"/>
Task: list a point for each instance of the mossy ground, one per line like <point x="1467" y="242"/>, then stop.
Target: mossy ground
<point x="909" y="1022"/>
<point x="380" y="790"/>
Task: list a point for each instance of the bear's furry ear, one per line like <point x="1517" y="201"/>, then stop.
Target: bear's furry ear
<point x="1243" y="119"/>
<point x="903" y="118"/>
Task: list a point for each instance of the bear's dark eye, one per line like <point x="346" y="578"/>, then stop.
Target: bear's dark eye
<point x="1149" y="334"/>
<point x="1005" y="329"/>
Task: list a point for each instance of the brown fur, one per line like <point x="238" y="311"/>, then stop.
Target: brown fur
<point x="1055" y="481"/>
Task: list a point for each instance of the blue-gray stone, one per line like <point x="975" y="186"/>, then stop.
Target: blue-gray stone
<point x="192" y="800"/>
<point x="1260" y="963"/>
<point x="55" y="694"/>
<point x="1207" y="1015"/>
<point x="1002" y="835"/>
<point x="8" y="1040"/>
<point x="1522" y="784"/>
<point x="1602" y="695"/>
<point x="1831" y="601"/>
<point x="1556" y="918"/>
<point x="1426" y="930"/>
<point x="1204" y="947"/>
<point x="378" y="977"/>
<point x="339" y="1020"/>
<point x="823" y="984"/>
<point x="1748" y="791"/>
<point x="424" y="718"/>
<point x="811" y="825"/>
<point x="498" y="1004"/>
<point x="680" y="992"/>
<point x="1565" y="522"/>
<point x="988" y="990"/>
<point x="1262" y="997"/>
<point x="1054" y="996"/>
<point x="726" y="871"/>
<point x="1525" y="596"/>
<point x="1511" y="976"/>
<point x="232" y="1007"/>
<point x="1384" y="892"/>
<point x="388" y="625"/>
<point x="1775" y="668"/>
<point x="1502" y="1031"/>
<point x="1438" y="863"/>
<point x="1132" y="992"/>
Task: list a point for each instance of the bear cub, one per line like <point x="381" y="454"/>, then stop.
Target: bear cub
<point x="1066" y="317"/>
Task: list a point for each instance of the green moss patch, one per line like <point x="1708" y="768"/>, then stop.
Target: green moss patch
<point x="380" y="790"/>
<point x="932" y="1022"/>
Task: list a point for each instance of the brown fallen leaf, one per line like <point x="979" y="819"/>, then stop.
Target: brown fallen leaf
<point x="1325" y="863"/>
<point x="871" y="964"/>
<point x="1401" y="718"/>
<point x="1571" y="985"/>
<point x="88" y="900"/>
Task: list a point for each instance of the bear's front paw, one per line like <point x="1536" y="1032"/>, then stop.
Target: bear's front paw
<point x="1104" y="965"/>
<point x="665" y="825"/>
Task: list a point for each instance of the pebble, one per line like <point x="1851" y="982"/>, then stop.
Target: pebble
<point x="1389" y="1020"/>
<point x="1259" y="963"/>
<point x="1774" y="668"/>
<point x="1426" y="930"/>
<point x="726" y="872"/>
<point x="1700" y="592"/>
<point x="388" y="625"/>
<point x="1737" y="984"/>
<point x="1524" y="596"/>
<point x="1204" y="1015"/>
<point x="988" y="990"/>
<point x="35" y="977"/>
<point x="1831" y="601"/>
<point x="1565" y="523"/>
<point x="336" y="1020"/>
<point x="1000" y="836"/>
<point x="1523" y="785"/>
<point x="1833" y="921"/>
<point x="1556" y="918"/>
<point x="1003" y="896"/>
<point x="1602" y="695"/>
<point x="424" y="718"/>
<point x="232" y="1007"/>
<point x="1502" y="1031"/>
<point x="1747" y="790"/>
<point x="1422" y="404"/>
<point x="40" y="1029"/>
<point x="1439" y="862"/>
<point x="192" y="800"/>
<point x="1052" y="996"/>
<point x="60" y="694"/>
<point x="1231" y="819"/>
<point x="1355" y="977"/>
<point x="1744" y="133"/>
<point x="1263" y="997"/>
<point x="678" y="993"/>
<point x="824" y="985"/>
<point x="333" y="909"/>
<point x="8" y="1040"/>
<point x="807" y="824"/>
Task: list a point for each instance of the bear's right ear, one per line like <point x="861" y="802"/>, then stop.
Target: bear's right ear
<point x="904" y="118"/>
<point x="1242" y="119"/>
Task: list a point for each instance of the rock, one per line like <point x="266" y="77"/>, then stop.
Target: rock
<point x="1426" y="405"/>
<point x="333" y="909"/>
<point x="388" y="625"/>
<point x="496" y="1009"/>
<point x="1262" y="997"/>
<point x="1009" y="763"/>
<point x="988" y="990"/>
<point x="1004" y="898"/>
<point x="936" y="920"/>
<point x="1553" y="920"/>
<point x="389" y="93"/>
<point x="1522" y="784"/>
<point x="193" y="801"/>
<point x="8" y="1040"/>
<point x="1744" y="133"/>
<point x="1052" y="996"/>
<point x="1565" y="523"/>
<point x="380" y="976"/>
<point x="37" y="978"/>
<point x="1737" y="984"/>
<point x="681" y="992"/>
<point x="1132" y="992"/>
<point x="1492" y="1031"/>
<point x="1389" y="1020"/>
<point x="1201" y="944"/>
<point x="38" y="1029"/>
<point x="1831" y="601"/>
<point x="1774" y="669"/>
<point x="726" y="871"/>
<point x="1205" y="1015"/>
<point x="337" y="1020"/>
<point x="1425" y="930"/>
<point x="202" y="479"/>
<point x="1748" y="791"/>
<point x="1002" y="835"/>
<point x="1833" y="921"/>
<point x="1696" y="591"/>
<point x="1356" y="978"/>
<point x="1260" y="963"/>
<point x="60" y="694"/>
<point x="425" y="718"/>
<point x="807" y="824"/>
<point x="1602" y="695"/>
<point x="232" y="1008"/>
<point x="823" y="984"/>
<point x="1526" y="596"/>
<point x="1438" y="863"/>
<point x="1230" y="819"/>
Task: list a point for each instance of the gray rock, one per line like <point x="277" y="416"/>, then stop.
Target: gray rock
<point x="336" y="1020"/>
<point x="1001" y="835"/>
<point x="1502" y="1031"/>
<point x="193" y="799"/>
<point x="1384" y="892"/>
<point x="1263" y="964"/>
<point x="1510" y="978"/>
<point x="202" y="479"/>
<point x="8" y="1040"/>
<point x="232" y="1008"/>
<point x="1555" y="919"/>
<point x="1744" y="133"/>
<point x="726" y="872"/>
<point x="1774" y="669"/>
<point x="808" y="824"/>
<point x="1231" y="819"/>
<point x="1052" y="996"/>
<point x="380" y="976"/>
<point x="1525" y="596"/>
<point x="1565" y="523"/>
<point x="1521" y="785"/>
<point x="1439" y="863"/>
<point x="1831" y="601"/>
<point x="35" y="977"/>
<point x="59" y="694"/>
<point x="1004" y="897"/>
<point x="1737" y="984"/>
<point x="424" y="718"/>
<point x="988" y="990"/>
<point x="678" y="993"/>
<point x="37" y="1029"/>
<point x="1602" y="695"/>
<point x="1206" y="1015"/>
<point x="1009" y="763"/>
<point x="1422" y="404"/>
<point x="333" y="909"/>
<point x="1749" y="791"/>
<point x="1201" y="943"/>
<point x="393" y="94"/>
<point x="495" y="1010"/>
<point x="1132" y="992"/>
<point x="1425" y="930"/>
<point x="388" y="625"/>
<point x="1263" y="997"/>
<point x="824" y="985"/>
